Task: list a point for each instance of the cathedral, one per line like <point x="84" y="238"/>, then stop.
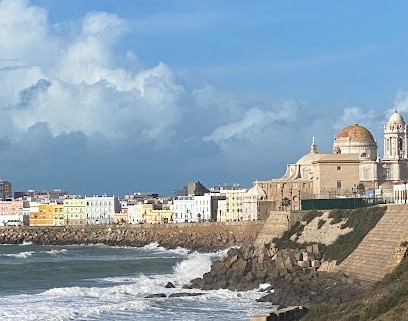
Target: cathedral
<point x="353" y="169"/>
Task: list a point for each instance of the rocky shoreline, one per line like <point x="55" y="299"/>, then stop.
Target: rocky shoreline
<point x="288" y="282"/>
<point x="201" y="237"/>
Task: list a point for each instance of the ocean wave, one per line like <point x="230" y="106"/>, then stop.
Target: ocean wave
<point x="54" y="252"/>
<point x="26" y="243"/>
<point x="21" y="255"/>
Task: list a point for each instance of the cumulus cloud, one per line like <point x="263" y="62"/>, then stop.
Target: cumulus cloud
<point x="368" y="118"/>
<point x="80" y="86"/>
<point x="254" y="124"/>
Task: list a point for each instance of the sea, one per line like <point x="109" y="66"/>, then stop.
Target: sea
<point x="100" y="282"/>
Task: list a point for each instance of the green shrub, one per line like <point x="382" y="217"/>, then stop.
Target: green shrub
<point x="337" y="215"/>
<point x="320" y="223"/>
<point x="309" y="216"/>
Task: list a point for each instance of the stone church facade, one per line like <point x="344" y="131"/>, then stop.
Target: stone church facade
<point x="353" y="168"/>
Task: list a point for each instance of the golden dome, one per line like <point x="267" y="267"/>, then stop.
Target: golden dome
<point x="355" y="132"/>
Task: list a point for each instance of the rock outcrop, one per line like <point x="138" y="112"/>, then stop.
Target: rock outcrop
<point x="289" y="277"/>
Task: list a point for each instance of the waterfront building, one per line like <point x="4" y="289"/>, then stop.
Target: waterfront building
<point x="222" y="210"/>
<point x="353" y="169"/>
<point x="101" y="210"/>
<point x="183" y="209"/>
<point x="135" y="214"/>
<point x="140" y="213"/>
<point x="159" y="216"/>
<point x="74" y="210"/>
<point x="59" y="215"/>
<point x="11" y="212"/>
<point x="48" y="215"/>
<point x="202" y="209"/>
<point x="28" y="207"/>
<point x="235" y="198"/>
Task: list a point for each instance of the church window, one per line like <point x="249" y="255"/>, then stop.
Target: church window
<point x="366" y="173"/>
<point x="339" y="168"/>
<point x="339" y="184"/>
<point x="400" y="144"/>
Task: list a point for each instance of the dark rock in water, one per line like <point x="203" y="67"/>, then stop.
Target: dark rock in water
<point x="156" y="295"/>
<point x="181" y="294"/>
<point x="186" y="286"/>
<point x="169" y="285"/>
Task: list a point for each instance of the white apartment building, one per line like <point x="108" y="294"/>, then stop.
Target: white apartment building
<point x="136" y="213"/>
<point x="202" y="208"/>
<point x="101" y="210"/>
<point x="184" y="209"/>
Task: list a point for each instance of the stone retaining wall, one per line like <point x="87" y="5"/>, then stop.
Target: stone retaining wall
<point x="193" y="236"/>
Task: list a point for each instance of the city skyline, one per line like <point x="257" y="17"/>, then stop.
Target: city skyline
<point x="114" y="97"/>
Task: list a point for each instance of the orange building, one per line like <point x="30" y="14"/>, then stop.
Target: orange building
<point x="48" y="215"/>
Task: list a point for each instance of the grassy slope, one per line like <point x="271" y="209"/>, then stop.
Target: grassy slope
<point x="385" y="301"/>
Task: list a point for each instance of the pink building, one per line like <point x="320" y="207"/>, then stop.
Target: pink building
<point x="11" y="212"/>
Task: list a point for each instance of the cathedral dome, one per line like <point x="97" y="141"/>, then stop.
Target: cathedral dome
<point x="396" y="118"/>
<point x="257" y="192"/>
<point x="355" y="132"/>
<point x="356" y="139"/>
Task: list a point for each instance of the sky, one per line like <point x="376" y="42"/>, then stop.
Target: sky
<point x="127" y="96"/>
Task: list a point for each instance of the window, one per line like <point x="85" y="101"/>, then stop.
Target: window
<point x="339" y="184"/>
<point x="366" y="173"/>
<point x="339" y="168"/>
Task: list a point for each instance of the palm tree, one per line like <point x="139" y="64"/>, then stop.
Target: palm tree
<point x="285" y="203"/>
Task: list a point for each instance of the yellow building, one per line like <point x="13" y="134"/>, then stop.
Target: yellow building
<point x="45" y="216"/>
<point x="159" y="216"/>
<point x="74" y="210"/>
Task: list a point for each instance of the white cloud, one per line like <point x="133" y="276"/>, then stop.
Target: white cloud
<point x="255" y="124"/>
<point x="356" y="115"/>
<point x="84" y="89"/>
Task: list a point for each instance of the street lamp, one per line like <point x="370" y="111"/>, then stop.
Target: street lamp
<point x="281" y="197"/>
<point x="300" y="203"/>
<point x="290" y="193"/>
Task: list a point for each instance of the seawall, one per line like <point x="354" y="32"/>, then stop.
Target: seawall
<point x="193" y="236"/>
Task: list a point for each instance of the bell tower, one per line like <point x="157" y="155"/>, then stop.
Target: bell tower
<point x="395" y="138"/>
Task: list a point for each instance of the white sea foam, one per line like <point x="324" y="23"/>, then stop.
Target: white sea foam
<point x="26" y="243"/>
<point x="54" y="252"/>
<point x="21" y="255"/>
<point x="155" y="247"/>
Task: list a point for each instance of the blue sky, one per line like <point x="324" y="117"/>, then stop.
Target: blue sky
<point x="122" y="96"/>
